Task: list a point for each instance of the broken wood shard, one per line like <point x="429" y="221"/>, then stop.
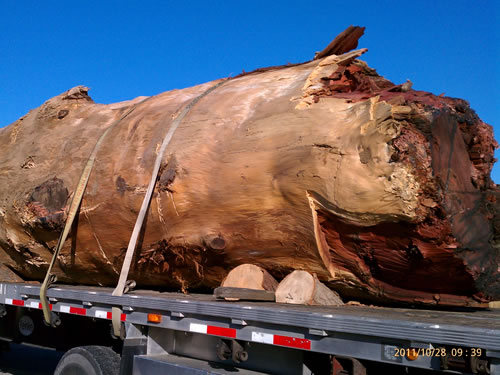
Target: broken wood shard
<point x="346" y="41"/>
<point x="302" y="288"/>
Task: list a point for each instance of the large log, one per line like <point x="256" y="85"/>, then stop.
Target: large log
<point x="385" y="194"/>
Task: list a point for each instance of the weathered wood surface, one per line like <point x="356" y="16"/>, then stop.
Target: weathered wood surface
<point x="385" y="195"/>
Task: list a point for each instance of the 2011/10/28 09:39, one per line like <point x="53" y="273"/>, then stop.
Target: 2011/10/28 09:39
<point x="438" y="352"/>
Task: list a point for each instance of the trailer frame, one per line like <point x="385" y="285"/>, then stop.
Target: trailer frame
<point x="177" y="331"/>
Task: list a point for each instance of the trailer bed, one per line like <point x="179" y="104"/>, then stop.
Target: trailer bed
<point x="371" y="333"/>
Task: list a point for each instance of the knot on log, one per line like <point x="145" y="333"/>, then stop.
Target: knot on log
<point x="215" y="242"/>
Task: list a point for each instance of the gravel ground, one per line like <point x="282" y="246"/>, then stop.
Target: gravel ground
<point x="28" y="360"/>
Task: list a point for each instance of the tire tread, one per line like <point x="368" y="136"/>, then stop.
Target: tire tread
<point x="102" y="360"/>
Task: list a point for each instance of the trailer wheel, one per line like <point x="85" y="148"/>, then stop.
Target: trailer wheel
<point x="89" y="360"/>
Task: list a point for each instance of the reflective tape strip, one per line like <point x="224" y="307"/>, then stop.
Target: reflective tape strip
<point x="123" y="317"/>
<point x="78" y="310"/>
<point x="15" y="302"/>
<point x="265" y="338"/>
<point x="221" y="331"/>
<point x="36" y="305"/>
<point x="40" y="306"/>
<point x="212" y="330"/>
<point x="292" y="342"/>
<point x="199" y="328"/>
<point x="73" y="310"/>
<point x="101" y="314"/>
<point x="32" y="305"/>
<point x="108" y="315"/>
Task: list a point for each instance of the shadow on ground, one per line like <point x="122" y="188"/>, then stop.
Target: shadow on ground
<point x="28" y="360"/>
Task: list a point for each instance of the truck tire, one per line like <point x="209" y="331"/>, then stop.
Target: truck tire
<point x="89" y="360"/>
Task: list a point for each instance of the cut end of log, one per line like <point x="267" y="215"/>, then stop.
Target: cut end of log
<point x="303" y="288"/>
<point x="250" y="276"/>
<point x="494" y="305"/>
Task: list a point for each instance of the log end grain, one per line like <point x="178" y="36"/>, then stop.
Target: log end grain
<point x="303" y="288"/>
<point x="250" y="276"/>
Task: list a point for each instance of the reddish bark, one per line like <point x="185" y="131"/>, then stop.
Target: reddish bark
<point x="452" y="153"/>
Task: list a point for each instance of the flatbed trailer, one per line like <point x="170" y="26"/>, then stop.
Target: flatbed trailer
<point x="174" y="333"/>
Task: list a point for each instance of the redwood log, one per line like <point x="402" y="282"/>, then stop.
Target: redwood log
<point x="302" y="288"/>
<point x="384" y="194"/>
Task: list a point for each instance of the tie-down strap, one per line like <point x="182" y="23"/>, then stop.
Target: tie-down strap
<point x="73" y="211"/>
<point x="145" y="204"/>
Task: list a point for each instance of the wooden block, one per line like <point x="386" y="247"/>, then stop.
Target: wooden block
<point x="303" y="288"/>
<point x="494" y="305"/>
<point x="236" y="294"/>
<point x="250" y="276"/>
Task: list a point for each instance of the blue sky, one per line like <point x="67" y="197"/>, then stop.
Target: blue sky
<point x="124" y="49"/>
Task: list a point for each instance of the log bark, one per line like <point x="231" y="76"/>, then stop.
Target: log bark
<point x="302" y="288"/>
<point x="250" y="276"/>
<point x="384" y="194"/>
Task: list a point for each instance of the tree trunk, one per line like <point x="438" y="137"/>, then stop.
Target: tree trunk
<point x="325" y="166"/>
